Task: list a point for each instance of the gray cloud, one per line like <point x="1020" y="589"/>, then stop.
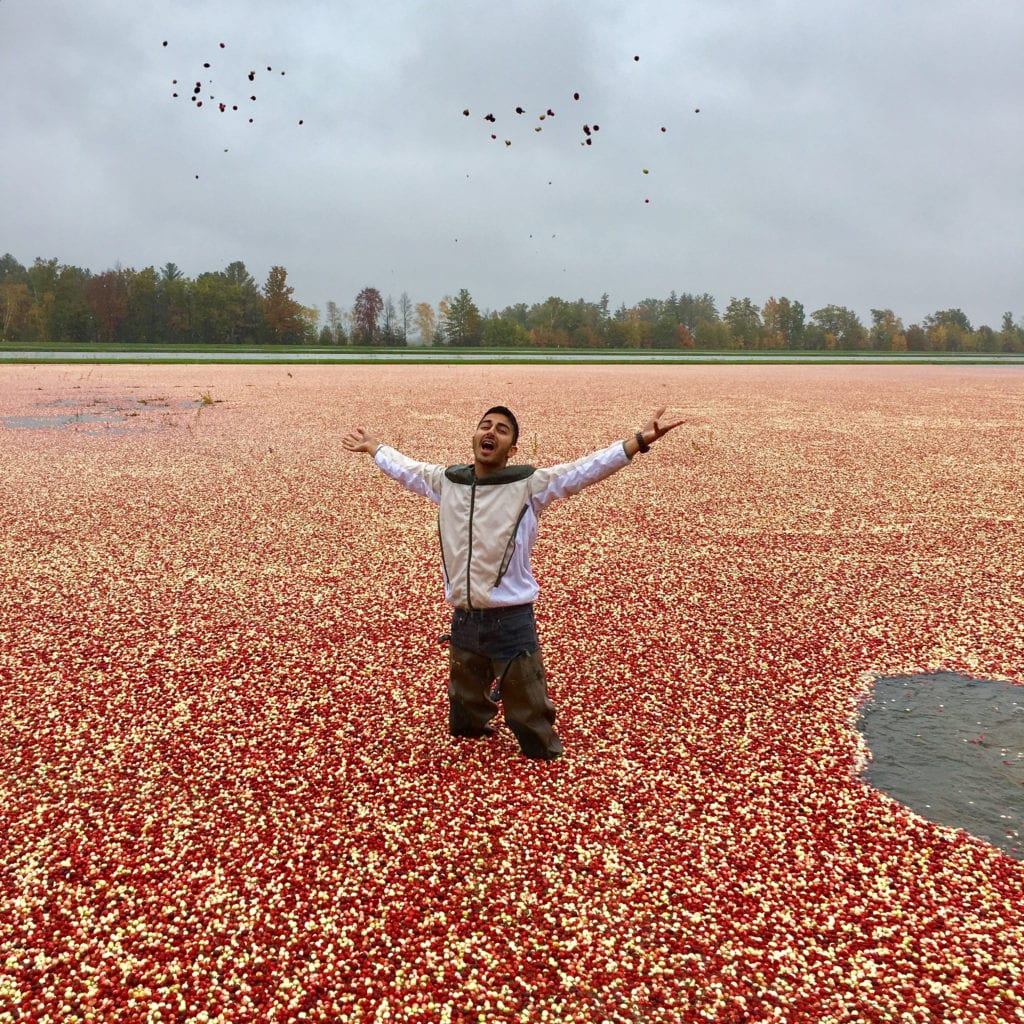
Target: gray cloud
<point x="865" y="154"/>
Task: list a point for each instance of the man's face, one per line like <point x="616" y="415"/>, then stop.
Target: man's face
<point x="492" y="443"/>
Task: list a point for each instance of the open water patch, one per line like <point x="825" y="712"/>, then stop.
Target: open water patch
<point x="951" y="748"/>
<point x="113" y="414"/>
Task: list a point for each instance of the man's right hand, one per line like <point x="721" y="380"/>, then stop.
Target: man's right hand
<point x="360" y="440"/>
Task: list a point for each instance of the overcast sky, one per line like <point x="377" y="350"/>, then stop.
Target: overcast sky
<point x="863" y="153"/>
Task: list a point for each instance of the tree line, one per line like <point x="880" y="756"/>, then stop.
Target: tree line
<point x="50" y="302"/>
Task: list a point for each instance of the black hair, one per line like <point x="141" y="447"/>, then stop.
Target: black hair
<point x="502" y="410"/>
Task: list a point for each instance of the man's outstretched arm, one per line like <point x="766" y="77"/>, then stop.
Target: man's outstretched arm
<point x="654" y="428"/>
<point x="418" y="477"/>
<point x="554" y="482"/>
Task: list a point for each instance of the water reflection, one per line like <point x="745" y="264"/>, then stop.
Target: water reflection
<point x="952" y="749"/>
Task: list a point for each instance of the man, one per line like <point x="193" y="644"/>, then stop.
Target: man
<point x="488" y="525"/>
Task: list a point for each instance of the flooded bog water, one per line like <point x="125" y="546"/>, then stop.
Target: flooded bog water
<point x="952" y="749"/>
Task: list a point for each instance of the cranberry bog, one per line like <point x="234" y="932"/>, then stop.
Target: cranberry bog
<point x="227" y="792"/>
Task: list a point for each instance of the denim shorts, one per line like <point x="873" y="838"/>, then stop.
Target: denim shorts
<point x="500" y="634"/>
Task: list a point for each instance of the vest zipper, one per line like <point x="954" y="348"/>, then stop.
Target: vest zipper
<point x="469" y="554"/>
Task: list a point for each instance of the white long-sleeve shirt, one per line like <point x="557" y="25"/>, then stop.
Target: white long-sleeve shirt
<point x="488" y="525"/>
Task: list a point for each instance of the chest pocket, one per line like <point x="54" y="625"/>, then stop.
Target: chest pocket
<point x="510" y="547"/>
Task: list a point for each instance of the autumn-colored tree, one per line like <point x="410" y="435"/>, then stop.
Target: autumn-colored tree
<point x="366" y="315"/>
<point x="283" y="315"/>
<point x="549" y="337"/>
<point x="426" y="322"/>
<point x="886" y="333"/>
<point x="948" y="330"/>
<point x="684" y="339"/>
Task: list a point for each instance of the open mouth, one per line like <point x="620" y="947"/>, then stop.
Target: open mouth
<point x="487" y="445"/>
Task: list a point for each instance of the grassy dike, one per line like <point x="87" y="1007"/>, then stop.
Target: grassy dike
<point x="186" y="354"/>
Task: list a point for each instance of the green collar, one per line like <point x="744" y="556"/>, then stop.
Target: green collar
<point x="463" y="474"/>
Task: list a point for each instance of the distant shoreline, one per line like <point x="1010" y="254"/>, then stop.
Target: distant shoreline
<point x="646" y="357"/>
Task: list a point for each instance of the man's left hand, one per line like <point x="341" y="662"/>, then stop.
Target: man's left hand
<point x="657" y="427"/>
